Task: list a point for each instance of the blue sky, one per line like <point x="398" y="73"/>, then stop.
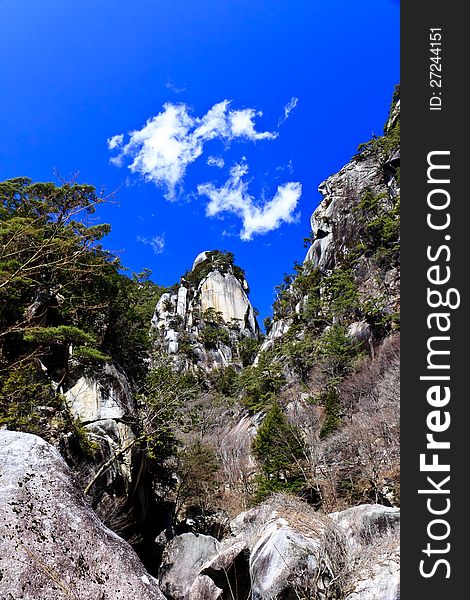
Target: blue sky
<point x="214" y="119"/>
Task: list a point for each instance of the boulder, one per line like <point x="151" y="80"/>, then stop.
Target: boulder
<point x="52" y="545"/>
<point x="278" y="549"/>
<point x="282" y="548"/>
<point x="200" y="258"/>
<point x="363" y="523"/>
<point x="379" y="579"/>
<point x="290" y="557"/>
<point x="204" y="588"/>
<point x="372" y="536"/>
<point x="182" y="560"/>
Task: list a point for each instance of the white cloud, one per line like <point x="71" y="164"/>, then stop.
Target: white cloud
<point x="288" y="108"/>
<point x="157" y="242"/>
<point x="216" y="161"/>
<point x="115" y="141"/>
<point x="233" y="197"/>
<point x="162" y="150"/>
<point x="241" y="122"/>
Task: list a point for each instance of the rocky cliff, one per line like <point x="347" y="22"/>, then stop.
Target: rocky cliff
<point x="354" y="235"/>
<point x="202" y="321"/>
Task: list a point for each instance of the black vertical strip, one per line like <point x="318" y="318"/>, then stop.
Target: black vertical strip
<point x="433" y="119"/>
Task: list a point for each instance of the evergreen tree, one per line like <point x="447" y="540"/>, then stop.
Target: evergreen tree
<point x="278" y="447"/>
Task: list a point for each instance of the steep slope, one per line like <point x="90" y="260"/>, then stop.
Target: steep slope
<point x="350" y="275"/>
<point x="334" y="336"/>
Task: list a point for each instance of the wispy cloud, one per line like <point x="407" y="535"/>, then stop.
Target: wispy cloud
<point x="216" y="161"/>
<point x="157" y="242"/>
<point x="288" y="108"/>
<point x="289" y="167"/>
<point x="233" y="197"/>
<point x="174" y="88"/>
<point x="162" y="150"/>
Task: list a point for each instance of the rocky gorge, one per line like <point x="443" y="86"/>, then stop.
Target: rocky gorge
<point x="158" y="445"/>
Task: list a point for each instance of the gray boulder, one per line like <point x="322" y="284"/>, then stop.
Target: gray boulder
<point x="204" y="588"/>
<point x="278" y="549"/>
<point x="365" y="523"/>
<point x="182" y="560"/>
<point x="52" y="545"/>
<point x="379" y="580"/>
<point x="372" y="535"/>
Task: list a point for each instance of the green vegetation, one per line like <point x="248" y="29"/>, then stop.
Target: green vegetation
<point x="332" y="404"/>
<point x="64" y="303"/>
<point x="197" y="467"/>
<point x="379" y="221"/>
<point x="22" y="391"/>
<point x="261" y="384"/>
<point x="67" y="308"/>
<point x="211" y="335"/>
<point x="225" y="381"/>
<point x="163" y="409"/>
<point x="278" y="447"/>
<point x="248" y="349"/>
<point x="216" y="260"/>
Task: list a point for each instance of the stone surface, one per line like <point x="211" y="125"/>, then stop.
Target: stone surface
<point x="103" y="401"/>
<point x="290" y="555"/>
<point x="276" y="548"/>
<point x="179" y="319"/>
<point x="104" y="395"/>
<point x="380" y="579"/>
<point x="204" y="588"/>
<point x="200" y="258"/>
<point x="181" y="302"/>
<point x="181" y="562"/>
<point x="112" y="436"/>
<point x="365" y="522"/>
<point x="337" y="231"/>
<point x="373" y="539"/>
<point x="52" y="545"/>
<point x="224" y="293"/>
<point x="282" y="548"/>
<point x="277" y="330"/>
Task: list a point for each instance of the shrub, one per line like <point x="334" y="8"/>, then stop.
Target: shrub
<point x="212" y="335"/>
<point x="196" y="471"/>
<point x="260" y="384"/>
<point x="248" y="349"/>
<point x="332" y="404"/>
<point x="225" y="381"/>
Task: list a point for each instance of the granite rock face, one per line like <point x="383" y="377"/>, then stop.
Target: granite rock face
<point x="105" y="395"/>
<point x="373" y="539"/>
<point x="182" y="560"/>
<point x="225" y="294"/>
<point x="52" y="544"/>
<point x="202" y="321"/>
<point x="103" y="402"/>
<point x="354" y="230"/>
